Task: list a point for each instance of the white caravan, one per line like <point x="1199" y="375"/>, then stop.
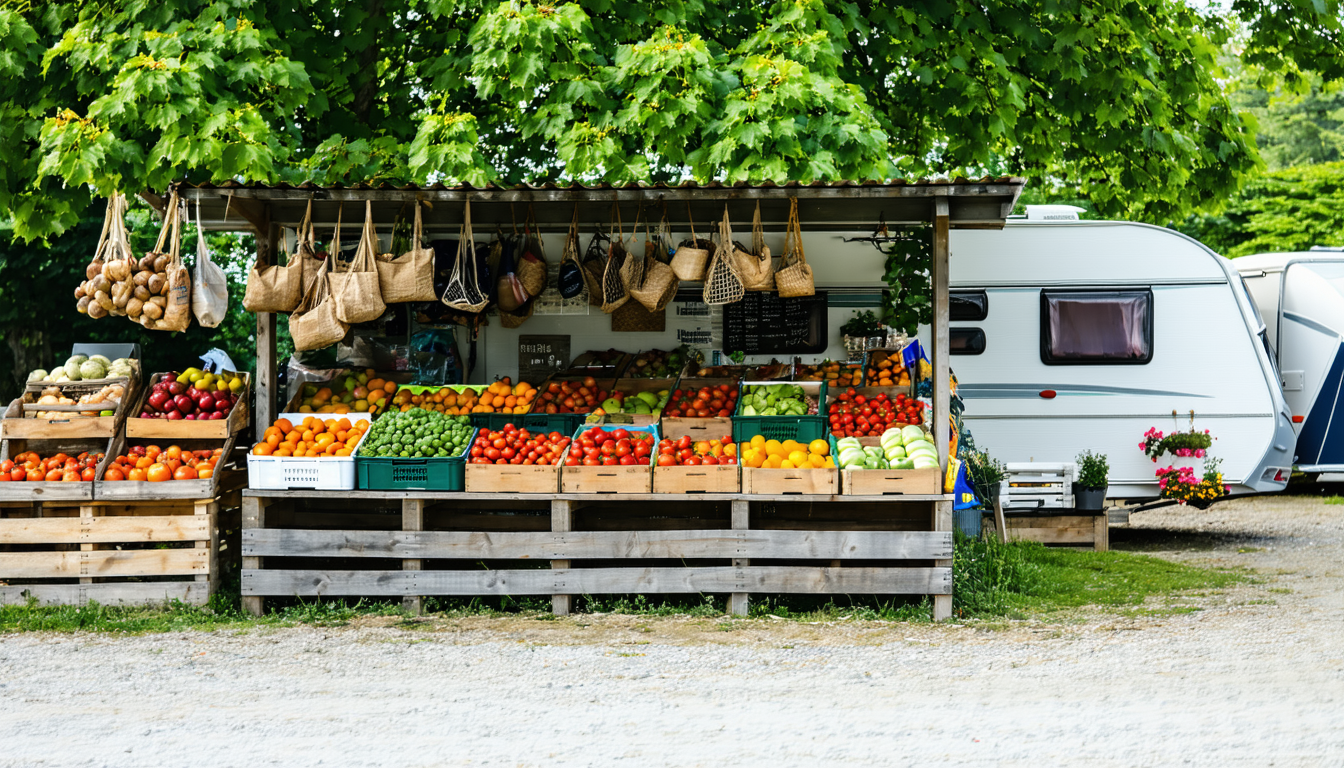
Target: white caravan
<point x="1301" y="296"/>
<point x="1074" y="335"/>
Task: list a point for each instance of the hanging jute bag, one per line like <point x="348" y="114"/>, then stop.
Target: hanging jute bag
<point x="464" y="292"/>
<point x="660" y="282"/>
<point x="274" y="287"/>
<point x="632" y="271"/>
<point x="569" y="278"/>
<point x="692" y="255"/>
<point x="532" y="267"/>
<point x="358" y="297"/>
<point x="314" y="324"/>
<point x="614" y="293"/>
<point x="722" y="285"/>
<point x="794" y="277"/>
<point x="410" y="276"/>
<point x="755" y="267"/>
<point x="176" y="281"/>
<point x="112" y="263"/>
<point x="305" y="250"/>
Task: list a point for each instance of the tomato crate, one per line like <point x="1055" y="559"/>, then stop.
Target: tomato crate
<point x="143" y="490"/>
<point x="803" y="429"/>
<point x="387" y="473"/>
<point x="54" y="490"/>
<point x="720" y="478"/>
<point x="512" y="478"/>
<point x="609" y="479"/>
<point x="564" y="423"/>
<point x="835" y="422"/>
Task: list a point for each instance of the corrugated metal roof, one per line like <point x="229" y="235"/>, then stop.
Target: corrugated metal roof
<point x="835" y="205"/>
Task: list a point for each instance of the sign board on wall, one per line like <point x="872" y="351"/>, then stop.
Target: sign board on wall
<point x="541" y="356"/>
<point x="764" y="323"/>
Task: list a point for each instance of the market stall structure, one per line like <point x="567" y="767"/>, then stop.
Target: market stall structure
<point x="314" y="542"/>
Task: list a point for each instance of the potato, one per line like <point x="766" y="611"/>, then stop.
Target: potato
<point x="141" y="278"/>
<point x="117" y="270"/>
<point x="96" y="310"/>
<point x="162" y="301"/>
<point x="134" y="307"/>
<point x="83" y="305"/>
<point x="161" y="262"/>
<point x="79" y="292"/>
<point x="94" y="268"/>
<point x="141" y="293"/>
<point x="100" y="283"/>
<point x="157" y="284"/>
<point x="150" y="310"/>
<point x="103" y="300"/>
<point x="147" y="263"/>
<point x="123" y="295"/>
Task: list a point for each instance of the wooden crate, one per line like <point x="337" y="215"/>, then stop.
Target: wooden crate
<point x="891" y="482"/>
<point x="711" y="428"/>
<point x="789" y="482"/>
<point x="512" y="478"/>
<point x="189" y="430"/>
<point x="128" y="490"/>
<point x="73" y="426"/>
<point x="632" y="387"/>
<point x="629" y="479"/>
<point x="113" y="553"/>
<point x="713" y="479"/>
<point x="1028" y="486"/>
<point x="49" y="491"/>
<point x="1065" y="529"/>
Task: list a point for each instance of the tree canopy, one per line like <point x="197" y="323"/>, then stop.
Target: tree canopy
<point x="1286" y="210"/>
<point x="1117" y="100"/>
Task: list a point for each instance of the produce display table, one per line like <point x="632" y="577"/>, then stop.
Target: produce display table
<point x="418" y="544"/>
<point x="1062" y="527"/>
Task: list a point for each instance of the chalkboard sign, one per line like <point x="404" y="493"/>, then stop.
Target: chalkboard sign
<point x="540" y="356"/>
<point x="764" y="324"/>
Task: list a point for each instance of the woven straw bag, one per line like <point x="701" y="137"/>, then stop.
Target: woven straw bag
<point x="275" y="287"/>
<point x="463" y="292"/>
<point x="794" y="277"/>
<point x="594" y="265"/>
<point x="722" y="285"/>
<point x="614" y="292"/>
<point x="358" y="297"/>
<point x="314" y="324"/>
<point x="532" y="267"/>
<point x="659" y="284"/>
<point x="410" y="276"/>
<point x="691" y="256"/>
<point x="632" y="271"/>
<point x="755" y="266"/>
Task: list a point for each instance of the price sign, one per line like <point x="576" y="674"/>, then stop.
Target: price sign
<point x="541" y="356"/>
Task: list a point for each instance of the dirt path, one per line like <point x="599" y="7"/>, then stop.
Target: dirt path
<point x="1257" y="678"/>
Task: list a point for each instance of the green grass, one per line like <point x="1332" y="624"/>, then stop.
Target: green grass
<point x="1334" y="499"/>
<point x="990" y="581"/>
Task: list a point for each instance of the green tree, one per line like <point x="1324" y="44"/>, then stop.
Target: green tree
<point x="1287" y="210"/>
<point x="1117" y="100"/>
<point x="1295" y="128"/>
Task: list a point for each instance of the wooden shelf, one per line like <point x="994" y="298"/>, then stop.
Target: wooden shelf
<point x="541" y="497"/>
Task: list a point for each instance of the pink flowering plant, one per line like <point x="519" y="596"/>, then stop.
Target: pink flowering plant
<point x="1183" y="485"/>
<point x="1190" y="444"/>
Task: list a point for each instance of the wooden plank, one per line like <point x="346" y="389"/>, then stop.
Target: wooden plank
<point x="757" y="579"/>
<point x="562" y="522"/>
<point x="102" y="563"/>
<point x="587" y="545"/>
<point x="1101" y="536"/>
<point x="207" y="512"/>
<point x="942" y="523"/>
<point x="45" y="491"/>
<point x="1054" y="534"/>
<point x="785" y="484"/>
<point x="942" y="371"/>
<point x="87" y="513"/>
<point x="532" y="497"/>
<point x="412" y="519"/>
<point x="739" y="603"/>
<point x="253" y="519"/>
<point x="513" y="481"/>
<point x="102" y="530"/>
<point x="711" y="428"/>
<point x="125" y="593"/>
<point x="890" y="482"/>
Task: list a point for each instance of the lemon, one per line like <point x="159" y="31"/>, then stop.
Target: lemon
<point x="790" y="446"/>
<point x="774" y="448"/>
<point x="798" y="458"/>
<point x="758" y="441"/>
<point x="819" y="447"/>
<point x="817" y="461"/>
<point x="786" y="464"/>
<point x="773" y="461"/>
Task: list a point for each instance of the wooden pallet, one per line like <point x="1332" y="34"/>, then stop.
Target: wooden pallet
<point x="188" y="430"/>
<point x="110" y="552"/>
<point x="1070" y="529"/>
<point x="307" y="545"/>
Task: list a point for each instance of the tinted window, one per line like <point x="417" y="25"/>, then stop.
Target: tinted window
<point x="966" y="341"/>
<point x="1109" y="327"/>
<point x="968" y="305"/>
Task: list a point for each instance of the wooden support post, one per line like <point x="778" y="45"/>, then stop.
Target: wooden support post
<point x="1102" y="533"/>
<point x="738" y="602"/>
<point x="265" y="382"/>
<point x="412" y="519"/>
<point x="254" y="516"/>
<point x="562" y="521"/>
<point x="942" y="521"/>
<point x="1000" y="524"/>
<point x="210" y="510"/>
<point x="86" y="514"/>
<point x="942" y="379"/>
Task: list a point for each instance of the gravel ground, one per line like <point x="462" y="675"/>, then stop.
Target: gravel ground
<point x="1254" y="679"/>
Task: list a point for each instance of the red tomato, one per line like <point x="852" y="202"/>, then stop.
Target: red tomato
<point x="628" y="460"/>
<point x="709" y="461"/>
<point x="690" y="461"/>
<point x="493" y="454"/>
<point x="591" y="462"/>
<point x="666" y="460"/>
<point x="610" y="461"/>
<point x="684" y="443"/>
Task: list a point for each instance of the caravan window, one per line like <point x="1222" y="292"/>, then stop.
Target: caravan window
<point x="966" y="341"/>
<point x="968" y="305"/>
<point x="1096" y="327"/>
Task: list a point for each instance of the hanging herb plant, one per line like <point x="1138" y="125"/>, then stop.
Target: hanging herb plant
<point x="908" y="304"/>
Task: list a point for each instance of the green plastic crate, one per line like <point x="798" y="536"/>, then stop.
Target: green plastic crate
<point x="383" y="473"/>
<point x="564" y="423"/>
<point x="803" y="429"/>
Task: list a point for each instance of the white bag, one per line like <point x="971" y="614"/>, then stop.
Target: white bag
<point x="210" y="288"/>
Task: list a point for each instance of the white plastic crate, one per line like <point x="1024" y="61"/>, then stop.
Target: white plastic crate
<point x="1028" y="486"/>
<point x="283" y="473"/>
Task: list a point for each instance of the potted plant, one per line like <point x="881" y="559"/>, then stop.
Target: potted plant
<point x="863" y="331"/>
<point x="986" y="474"/>
<point x="1089" y="490"/>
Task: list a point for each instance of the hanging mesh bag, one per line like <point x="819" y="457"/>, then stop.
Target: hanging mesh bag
<point x="463" y="292"/>
<point x="722" y="285"/>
